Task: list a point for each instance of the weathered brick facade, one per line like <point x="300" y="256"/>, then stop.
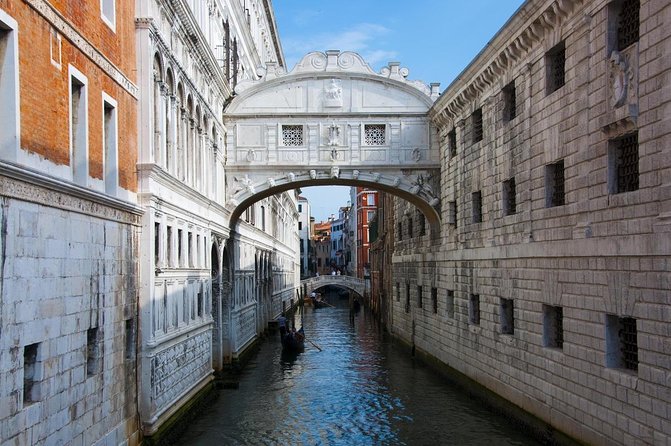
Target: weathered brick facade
<point x="578" y="242"/>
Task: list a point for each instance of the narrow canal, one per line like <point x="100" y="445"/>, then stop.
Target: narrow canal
<point x="361" y="389"/>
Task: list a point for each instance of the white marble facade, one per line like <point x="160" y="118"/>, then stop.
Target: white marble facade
<point x="209" y="286"/>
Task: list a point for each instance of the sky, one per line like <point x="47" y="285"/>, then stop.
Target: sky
<point x="434" y="39"/>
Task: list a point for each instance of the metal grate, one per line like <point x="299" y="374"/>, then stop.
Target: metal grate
<point x="628" y="343"/>
<point x="627" y="163"/>
<point x="557" y="169"/>
<point x="292" y="135"/>
<point x="509" y="197"/>
<point x="556" y="67"/>
<point x="558" y="335"/>
<point x="509" y="102"/>
<point x="628" y="24"/>
<point x="422" y="223"/>
<point x="374" y="134"/>
<point x="477" y="207"/>
<point x="476" y="121"/>
<point x="419" y="296"/>
<point x="475" y="309"/>
<point x="452" y="218"/>
<point x="507" y="317"/>
<point x="434" y="299"/>
<point x="452" y="142"/>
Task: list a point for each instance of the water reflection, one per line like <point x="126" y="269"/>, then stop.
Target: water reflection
<point x="359" y="390"/>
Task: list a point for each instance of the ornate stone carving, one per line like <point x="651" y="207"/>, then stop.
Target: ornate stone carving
<point x="251" y="156"/>
<point x="291" y="176"/>
<point x="271" y="182"/>
<point x="416" y="154"/>
<point x="355" y="174"/>
<point x="334" y="135"/>
<point x="313" y="174"/>
<point x="621" y="75"/>
<point x="246" y="182"/>
<point x="335" y="172"/>
<point x="333" y="94"/>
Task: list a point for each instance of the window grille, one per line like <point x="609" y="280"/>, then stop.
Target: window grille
<point x="410" y="228"/>
<point x="556" y="61"/>
<point x="419" y="296"/>
<point x="399" y="227"/>
<point x="559" y="327"/>
<point x="509" y="197"/>
<point x="452" y="142"/>
<point x="509" y="102"/>
<point x="452" y="215"/>
<point x="434" y="299"/>
<point x="507" y="317"/>
<point x="476" y="120"/>
<point x="474" y="316"/>
<point x="626" y="150"/>
<point x="398" y="292"/>
<point x="450" y="303"/>
<point x="374" y="134"/>
<point x="477" y="207"/>
<point x="629" y="343"/>
<point x="292" y="135"/>
<point x="555" y="183"/>
<point x="407" y="298"/>
<point x="628" y="24"/>
<point x="422" y="223"/>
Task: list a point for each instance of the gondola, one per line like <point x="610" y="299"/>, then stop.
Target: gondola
<point x="294" y="341"/>
<point x="319" y="304"/>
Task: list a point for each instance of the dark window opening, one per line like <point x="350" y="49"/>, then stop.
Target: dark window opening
<point x="509" y="197"/>
<point x="477" y="207"/>
<point x="476" y="125"/>
<point x="434" y="299"/>
<point x="556" y="70"/>
<point x="507" y="317"/>
<point x="554" y="181"/>
<point x="474" y="309"/>
<point x="509" y="102"/>
<point x="553" y="326"/>
<point x="452" y="142"/>
<point x="628" y="23"/>
<point x="624" y="153"/>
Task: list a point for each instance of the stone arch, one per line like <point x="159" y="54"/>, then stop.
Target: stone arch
<point x="417" y="192"/>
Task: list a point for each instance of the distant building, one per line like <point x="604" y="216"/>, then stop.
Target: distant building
<point x="322" y="244"/>
<point x="304" y="232"/>
<point x="366" y="206"/>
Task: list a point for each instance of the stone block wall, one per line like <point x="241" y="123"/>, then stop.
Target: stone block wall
<point x="560" y="301"/>
<point x="68" y="316"/>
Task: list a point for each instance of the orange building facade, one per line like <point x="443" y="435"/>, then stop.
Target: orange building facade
<point x="68" y="132"/>
<point x="366" y="207"/>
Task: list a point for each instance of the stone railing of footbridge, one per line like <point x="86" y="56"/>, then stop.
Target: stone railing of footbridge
<point x="351" y="283"/>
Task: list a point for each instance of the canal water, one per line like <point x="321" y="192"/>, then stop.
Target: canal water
<point x="360" y="389"/>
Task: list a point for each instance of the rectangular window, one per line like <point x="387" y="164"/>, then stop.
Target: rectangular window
<point x="398" y="292"/>
<point x="169" y="260"/>
<point x="554" y="184"/>
<point x="30" y="374"/>
<point x="419" y="296"/>
<point x="399" y="229"/>
<point x="319" y="262"/>
<point x="449" y="304"/>
<point x="422" y="223"/>
<point x="196" y="251"/>
<point x="292" y="135"/>
<point x="555" y="61"/>
<point x="434" y="299"/>
<point x="623" y="164"/>
<point x="79" y="127"/>
<point x="300" y="208"/>
<point x="300" y="225"/>
<point x="476" y="125"/>
<point x="507" y="316"/>
<point x="157" y="244"/>
<point x="9" y="88"/>
<point x="509" y="102"/>
<point x="452" y="213"/>
<point x="477" y="207"/>
<point x="189" y="249"/>
<point x="370" y="215"/>
<point x="199" y="301"/>
<point x="628" y="23"/>
<point x="93" y="353"/>
<point x="371" y="199"/>
<point x="509" y="197"/>
<point x="110" y="145"/>
<point x="621" y="342"/>
<point x="129" y="352"/>
<point x="474" y="309"/>
<point x="452" y="142"/>
<point x="180" y="254"/>
<point x="374" y="134"/>
<point x="108" y="12"/>
<point x="407" y="298"/>
<point x="410" y="228"/>
<point x="553" y="326"/>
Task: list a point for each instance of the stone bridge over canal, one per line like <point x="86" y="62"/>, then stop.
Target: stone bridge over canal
<point x="348" y="282"/>
<point x="333" y="121"/>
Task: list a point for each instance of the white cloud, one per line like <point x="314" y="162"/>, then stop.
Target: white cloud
<point x="358" y="38"/>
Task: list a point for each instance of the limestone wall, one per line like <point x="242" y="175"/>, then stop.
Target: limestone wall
<point x="539" y="299"/>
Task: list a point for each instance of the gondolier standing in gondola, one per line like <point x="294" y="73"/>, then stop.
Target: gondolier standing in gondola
<point x="282" y="321"/>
